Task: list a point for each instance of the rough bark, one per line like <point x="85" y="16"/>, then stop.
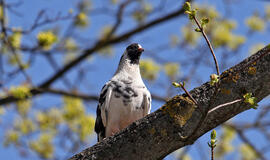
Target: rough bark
<point x="180" y="122"/>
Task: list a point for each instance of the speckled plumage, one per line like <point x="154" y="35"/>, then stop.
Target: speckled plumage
<point x="124" y="99"/>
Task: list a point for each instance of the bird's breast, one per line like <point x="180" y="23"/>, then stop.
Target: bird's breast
<point x="127" y="98"/>
<point x="126" y="104"/>
<point x="124" y="110"/>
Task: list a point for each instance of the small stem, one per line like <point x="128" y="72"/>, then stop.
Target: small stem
<point x="208" y="43"/>
<point x="212" y="152"/>
<point x="225" y="104"/>
<point x="182" y="86"/>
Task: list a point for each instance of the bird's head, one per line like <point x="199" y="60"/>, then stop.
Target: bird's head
<point x="133" y="53"/>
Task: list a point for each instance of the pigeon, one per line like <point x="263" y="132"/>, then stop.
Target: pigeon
<point x="123" y="99"/>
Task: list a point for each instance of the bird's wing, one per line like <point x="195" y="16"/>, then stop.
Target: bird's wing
<point x="147" y="103"/>
<point x="105" y="104"/>
<point x="104" y="100"/>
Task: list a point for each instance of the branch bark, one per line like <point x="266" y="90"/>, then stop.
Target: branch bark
<point x="180" y="122"/>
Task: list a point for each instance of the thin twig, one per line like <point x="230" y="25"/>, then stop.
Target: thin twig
<point x="183" y="87"/>
<point x="119" y="15"/>
<point x="225" y="104"/>
<point x="54" y="65"/>
<point x="212" y="153"/>
<point x="38" y="22"/>
<point x="208" y="43"/>
<point x="8" y="43"/>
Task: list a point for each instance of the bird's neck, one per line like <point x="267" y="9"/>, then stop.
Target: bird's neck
<point x="126" y="68"/>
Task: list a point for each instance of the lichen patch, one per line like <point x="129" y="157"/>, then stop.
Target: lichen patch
<point x="180" y="109"/>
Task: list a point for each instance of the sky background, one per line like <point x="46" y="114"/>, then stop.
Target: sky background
<point x="149" y="39"/>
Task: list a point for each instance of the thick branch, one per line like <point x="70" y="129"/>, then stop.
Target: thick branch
<point x="178" y="122"/>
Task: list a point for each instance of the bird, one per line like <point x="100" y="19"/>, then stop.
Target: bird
<point x="124" y="98"/>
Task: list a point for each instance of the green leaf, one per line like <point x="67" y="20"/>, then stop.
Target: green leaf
<point x="187" y="6"/>
<point x="190" y="37"/>
<point x="188" y="12"/>
<point x="20" y="92"/>
<point x="197" y="29"/>
<point x="204" y="21"/>
<point x="43" y="146"/>
<point x="213" y="134"/>
<point x="172" y="70"/>
<point x="251" y="100"/>
<point x="81" y="20"/>
<point x="15" y="38"/>
<point x="256" y="23"/>
<point x="214" y="79"/>
<point x="46" y="39"/>
<point x="247" y="152"/>
<point x="149" y="69"/>
<point x="175" y="84"/>
<point x="192" y="14"/>
<point x="213" y="141"/>
<point x="11" y="136"/>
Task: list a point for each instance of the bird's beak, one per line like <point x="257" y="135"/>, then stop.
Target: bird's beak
<point x="140" y="49"/>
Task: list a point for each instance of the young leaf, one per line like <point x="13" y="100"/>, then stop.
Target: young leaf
<point x="204" y="21"/>
<point x="187" y="6"/>
<point x="214" y="79"/>
<point x="175" y="84"/>
<point x="213" y="134"/>
<point x="251" y="100"/>
<point x="197" y="29"/>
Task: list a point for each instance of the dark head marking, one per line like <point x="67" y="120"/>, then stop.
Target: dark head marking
<point x="134" y="52"/>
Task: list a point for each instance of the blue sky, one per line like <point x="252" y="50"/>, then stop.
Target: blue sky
<point x="149" y="39"/>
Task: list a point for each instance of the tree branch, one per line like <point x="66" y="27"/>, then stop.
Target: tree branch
<point x="37" y="91"/>
<point x="172" y="126"/>
<point x="84" y="96"/>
